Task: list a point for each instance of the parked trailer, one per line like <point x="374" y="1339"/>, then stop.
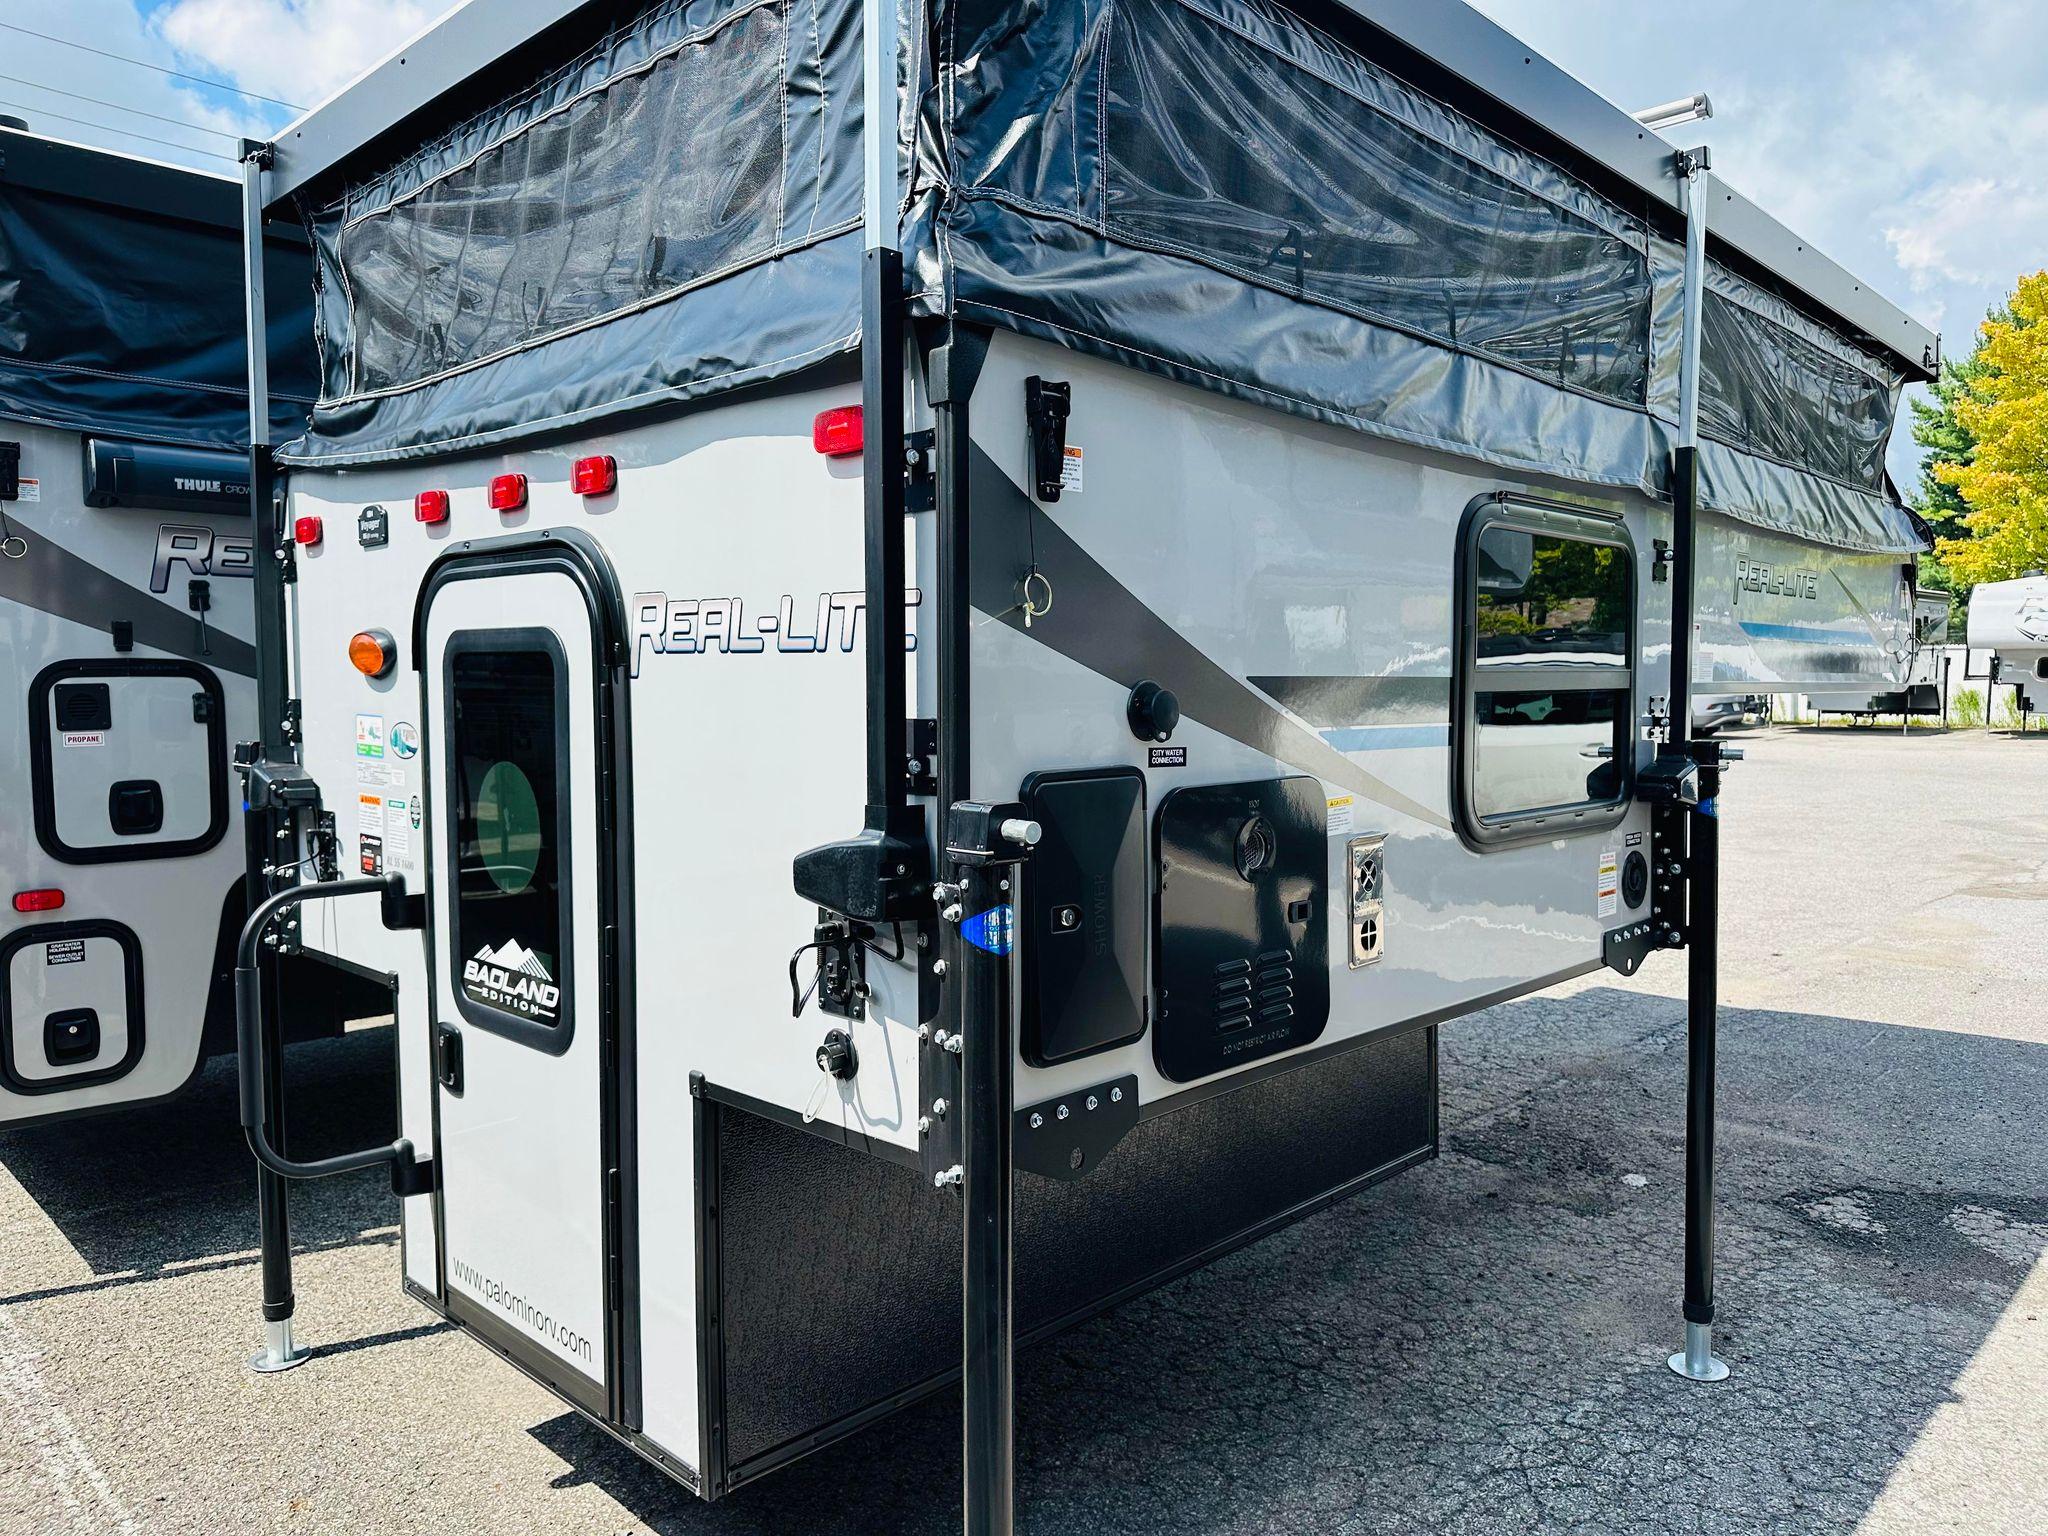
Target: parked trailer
<point x="1223" y="547"/>
<point x="125" y="557"/>
<point x="2010" y="620"/>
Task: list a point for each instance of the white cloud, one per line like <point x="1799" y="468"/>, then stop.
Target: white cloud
<point x="302" y="50"/>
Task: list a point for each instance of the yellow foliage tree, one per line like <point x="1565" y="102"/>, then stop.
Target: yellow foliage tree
<point x="2005" y="480"/>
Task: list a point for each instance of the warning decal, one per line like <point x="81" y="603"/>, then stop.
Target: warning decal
<point x="1610" y="880"/>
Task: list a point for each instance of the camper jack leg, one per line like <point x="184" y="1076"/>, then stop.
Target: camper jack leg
<point x="1697" y="1360"/>
<point x="987" y="845"/>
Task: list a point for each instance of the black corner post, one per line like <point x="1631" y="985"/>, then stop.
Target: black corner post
<point x="987" y="845"/>
<point x="266" y="832"/>
<point x="1700" y="758"/>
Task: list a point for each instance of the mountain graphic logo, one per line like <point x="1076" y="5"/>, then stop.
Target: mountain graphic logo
<point x="516" y="957"/>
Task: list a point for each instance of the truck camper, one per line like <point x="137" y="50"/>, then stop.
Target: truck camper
<point x="1922" y="690"/>
<point x="2010" y="620"/>
<point x="932" y="707"/>
<point x="125" y="606"/>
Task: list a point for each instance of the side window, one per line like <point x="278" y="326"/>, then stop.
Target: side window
<point x="1546" y="701"/>
<point x="508" y="795"/>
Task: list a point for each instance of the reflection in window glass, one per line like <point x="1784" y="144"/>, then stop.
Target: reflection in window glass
<point x="508" y="915"/>
<point x="1536" y="750"/>
<point x="1544" y="598"/>
<point x="1548" y="696"/>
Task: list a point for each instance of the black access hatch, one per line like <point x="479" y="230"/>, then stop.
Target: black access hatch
<point x="1243" y="940"/>
<point x="1083" y="954"/>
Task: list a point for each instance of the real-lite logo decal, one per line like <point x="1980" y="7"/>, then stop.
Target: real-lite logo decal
<point x="201" y="551"/>
<point x="1775" y="581"/>
<point x="512" y="979"/>
<point x="691" y="626"/>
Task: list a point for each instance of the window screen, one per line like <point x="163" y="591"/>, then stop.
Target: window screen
<point x="1547" y="696"/>
<point x="509" y="807"/>
<point x="1225" y="150"/>
<point x="657" y="180"/>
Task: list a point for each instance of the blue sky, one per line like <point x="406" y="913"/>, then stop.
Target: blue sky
<point x="1908" y="139"/>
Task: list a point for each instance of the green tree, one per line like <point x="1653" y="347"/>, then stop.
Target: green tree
<point x="2002" y="479"/>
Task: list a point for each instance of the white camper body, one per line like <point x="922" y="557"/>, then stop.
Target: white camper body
<point x="2010" y="620"/>
<point x="1247" y="741"/>
<point x="126" y="641"/>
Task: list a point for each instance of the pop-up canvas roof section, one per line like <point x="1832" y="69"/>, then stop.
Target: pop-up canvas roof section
<point x="661" y="201"/>
<point x="121" y="300"/>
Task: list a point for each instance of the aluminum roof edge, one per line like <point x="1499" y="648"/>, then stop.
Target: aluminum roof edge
<point x="120" y="180"/>
<point x="455" y="49"/>
<point x="1494" y="62"/>
<point x="1460" y="40"/>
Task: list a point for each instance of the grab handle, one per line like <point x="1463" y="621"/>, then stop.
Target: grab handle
<point x="399" y="911"/>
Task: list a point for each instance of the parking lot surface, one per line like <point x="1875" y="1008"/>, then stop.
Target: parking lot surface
<point x="1475" y="1347"/>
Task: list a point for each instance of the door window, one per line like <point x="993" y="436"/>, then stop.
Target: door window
<point x="508" y="796"/>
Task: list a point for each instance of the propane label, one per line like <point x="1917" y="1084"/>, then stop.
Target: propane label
<point x="1610" y="880"/>
<point x="85" y="738"/>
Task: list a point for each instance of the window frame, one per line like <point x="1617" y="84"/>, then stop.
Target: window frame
<point x="550" y="1039"/>
<point x="1543" y="519"/>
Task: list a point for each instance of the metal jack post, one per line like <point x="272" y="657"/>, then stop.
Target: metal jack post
<point x="1703" y="860"/>
<point x="987" y="845"/>
<point x="1697" y="1360"/>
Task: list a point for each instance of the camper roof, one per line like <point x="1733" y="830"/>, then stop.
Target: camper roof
<point x="116" y="179"/>
<point x="1495" y="73"/>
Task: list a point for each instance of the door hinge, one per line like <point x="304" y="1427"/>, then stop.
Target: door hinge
<point x="615" y="1258"/>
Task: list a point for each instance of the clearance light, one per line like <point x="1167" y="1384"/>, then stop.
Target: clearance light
<point x="373" y="652"/>
<point x="836" y="433"/>
<point x="430" y="507"/>
<point x="306" y="530"/>
<point x="597" y="475"/>
<point x="508" y="493"/>
<point x="38" y="901"/>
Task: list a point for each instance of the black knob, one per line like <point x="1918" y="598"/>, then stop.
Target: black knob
<point x="1153" y="712"/>
<point x="835" y="1055"/>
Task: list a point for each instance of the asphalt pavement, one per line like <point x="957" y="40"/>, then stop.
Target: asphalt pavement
<point x="1475" y="1347"/>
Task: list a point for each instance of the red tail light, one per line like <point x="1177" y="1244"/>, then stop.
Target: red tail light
<point x="306" y="530"/>
<point x="837" y="433"/>
<point x="597" y="475"/>
<point x="430" y="507"/>
<point x="508" y="493"/>
<point x="38" y="901"/>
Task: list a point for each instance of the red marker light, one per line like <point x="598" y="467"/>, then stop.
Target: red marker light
<point x="508" y="493"/>
<point x="837" y="433"/>
<point x="38" y="901"/>
<point x="306" y="530"/>
<point x="430" y="507"/>
<point x="597" y="475"/>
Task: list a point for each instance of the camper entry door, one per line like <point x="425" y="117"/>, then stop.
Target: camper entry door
<point x="520" y="1030"/>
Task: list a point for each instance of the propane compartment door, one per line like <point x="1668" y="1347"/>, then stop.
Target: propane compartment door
<point x="1244" y="921"/>
<point x="519" y="945"/>
<point x="130" y="760"/>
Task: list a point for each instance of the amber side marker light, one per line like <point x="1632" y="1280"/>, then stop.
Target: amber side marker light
<point x="373" y="652"/>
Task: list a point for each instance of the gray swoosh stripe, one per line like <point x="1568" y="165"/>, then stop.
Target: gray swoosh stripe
<point x="1099" y="623"/>
<point x="60" y="583"/>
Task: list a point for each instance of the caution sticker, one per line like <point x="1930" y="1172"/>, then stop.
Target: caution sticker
<point x="1070" y="470"/>
<point x="1341" y="814"/>
<point x="1610" y="881"/>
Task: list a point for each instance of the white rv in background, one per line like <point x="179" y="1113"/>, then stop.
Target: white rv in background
<point x="126" y="655"/>
<point x="2010" y="620"/>
<point x="1069" y="664"/>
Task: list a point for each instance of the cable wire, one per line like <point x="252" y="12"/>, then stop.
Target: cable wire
<point x="175" y="122"/>
<point x="176" y="74"/>
<point x="86" y="122"/>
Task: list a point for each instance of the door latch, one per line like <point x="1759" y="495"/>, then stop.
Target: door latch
<point x="448" y="1058"/>
<point x="1046" y="407"/>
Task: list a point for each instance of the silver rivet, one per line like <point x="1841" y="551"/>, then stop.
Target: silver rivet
<point x="1093" y="1101"/>
<point x="1064" y="1111"/>
<point x="1036" y="1119"/>
<point x="1116" y="1095"/>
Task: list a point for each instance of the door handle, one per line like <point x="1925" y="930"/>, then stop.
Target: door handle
<point x="448" y="1058"/>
